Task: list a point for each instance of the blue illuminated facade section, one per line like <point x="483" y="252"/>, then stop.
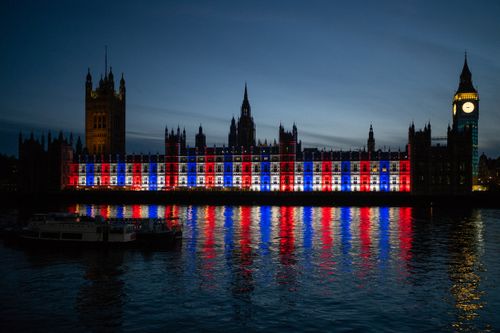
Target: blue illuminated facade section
<point x="153" y="170"/>
<point x="90" y="174"/>
<point x="191" y="171"/>
<point x="121" y="173"/>
<point x="384" y="176"/>
<point x="228" y="170"/>
<point x="346" y="176"/>
<point x="308" y="176"/>
<point x="265" y="173"/>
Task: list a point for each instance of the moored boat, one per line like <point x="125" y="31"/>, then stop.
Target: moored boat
<point x="64" y="228"/>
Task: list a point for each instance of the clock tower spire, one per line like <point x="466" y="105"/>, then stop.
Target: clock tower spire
<point x="466" y="113"/>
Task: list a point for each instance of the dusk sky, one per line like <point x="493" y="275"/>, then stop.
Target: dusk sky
<point x="332" y="67"/>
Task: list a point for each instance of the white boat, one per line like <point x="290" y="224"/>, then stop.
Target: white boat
<point x="72" y="228"/>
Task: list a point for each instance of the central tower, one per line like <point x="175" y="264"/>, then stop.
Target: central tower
<point x="246" y="125"/>
<point x="105" y="115"/>
<point x="466" y="113"/>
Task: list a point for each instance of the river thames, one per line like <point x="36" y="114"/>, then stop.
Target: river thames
<point x="268" y="268"/>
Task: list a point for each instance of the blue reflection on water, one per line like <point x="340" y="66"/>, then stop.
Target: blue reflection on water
<point x="228" y="234"/>
<point x="192" y="230"/>
<point x="265" y="229"/>
<point x="153" y="211"/>
<point x="307" y="227"/>
<point x="119" y="211"/>
<point x="88" y="210"/>
<point x="345" y="232"/>
<point x="308" y="231"/>
<point x="384" y="245"/>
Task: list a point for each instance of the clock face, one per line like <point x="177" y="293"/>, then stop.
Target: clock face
<point x="454" y="109"/>
<point x="468" y="107"/>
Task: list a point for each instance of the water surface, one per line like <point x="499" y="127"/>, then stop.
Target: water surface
<point x="268" y="268"/>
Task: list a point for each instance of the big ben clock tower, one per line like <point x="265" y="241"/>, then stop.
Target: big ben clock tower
<point x="466" y="113"/>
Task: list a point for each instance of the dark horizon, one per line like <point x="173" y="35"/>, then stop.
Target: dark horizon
<point x="186" y="64"/>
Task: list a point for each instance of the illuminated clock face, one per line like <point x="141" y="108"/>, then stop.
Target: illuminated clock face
<point x="468" y="107"/>
<point x="454" y="109"/>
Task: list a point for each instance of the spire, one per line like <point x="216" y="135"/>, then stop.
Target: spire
<point x="245" y="106"/>
<point x="105" y="61"/>
<point x="111" y="77"/>
<point x="466" y="78"/>
<point x="371" y="140"/>
<point x="89" y="77"/>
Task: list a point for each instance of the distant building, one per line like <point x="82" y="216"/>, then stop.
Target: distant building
<point x="44" y="167"/>
<point x="489" y="173"/>
<point x="105" y="116"/>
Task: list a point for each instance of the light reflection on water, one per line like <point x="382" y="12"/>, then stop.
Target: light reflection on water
<point x="282" y="268"/>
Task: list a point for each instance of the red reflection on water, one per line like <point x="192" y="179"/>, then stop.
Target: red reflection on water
<point x="246" y="237"/>
<point x="365" y="237"/>
<point x="136" y="211"/>
<point x="208" y="248"/>
<point x="104" y="211"/>
<point x="73" y="209"/>
<point x="171" y="215"/>
<point x="286" y="234"/>
<point x="405" y="233"/>
<point x="326" y="254"/>
<point x="209" y="253"/>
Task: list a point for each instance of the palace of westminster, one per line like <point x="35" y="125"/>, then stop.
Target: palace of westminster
<point x="102" y="162"/>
